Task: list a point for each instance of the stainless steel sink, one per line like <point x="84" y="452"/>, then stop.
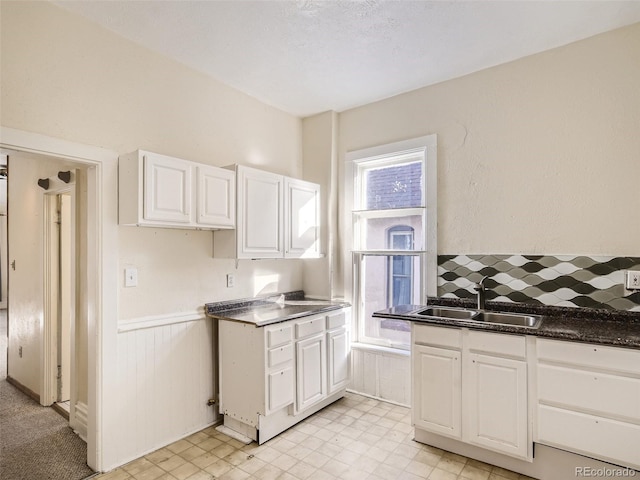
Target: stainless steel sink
<point x="467" y="315"/>
<point x="452" y="313"/>
<point x="519" y="320"/>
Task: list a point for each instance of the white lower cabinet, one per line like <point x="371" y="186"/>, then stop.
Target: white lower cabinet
<point x="589" y="400"/>
<point x="472" y="386"/>
<point x="311" y="364"/>
<point x="275" y="376"/>
<point x="437" y="390"/>
<point x="497" y="404"/>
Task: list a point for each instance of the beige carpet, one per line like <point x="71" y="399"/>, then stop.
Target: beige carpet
<point x="35" y="442"/>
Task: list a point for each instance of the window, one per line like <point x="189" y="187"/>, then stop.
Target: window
<point x="400" y="267"/>
<point x="393" y="234"/>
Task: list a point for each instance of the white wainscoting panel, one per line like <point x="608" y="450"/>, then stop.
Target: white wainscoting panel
<point x="381" y="373"/>
<point x="165" y="378"/>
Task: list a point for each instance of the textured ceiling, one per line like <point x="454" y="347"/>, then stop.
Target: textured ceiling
<point x="309" y="56"/>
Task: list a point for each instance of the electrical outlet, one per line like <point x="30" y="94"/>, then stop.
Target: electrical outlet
<point x="633" y="280"/>
<point x="20" y="351"/>
<point x="231" y="280"/>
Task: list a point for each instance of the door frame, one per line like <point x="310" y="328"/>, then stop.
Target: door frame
<point x="51" y="322"/>
<point x="102" y="260"/>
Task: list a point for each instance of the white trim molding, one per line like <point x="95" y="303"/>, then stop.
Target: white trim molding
<point x="159" y="320"/>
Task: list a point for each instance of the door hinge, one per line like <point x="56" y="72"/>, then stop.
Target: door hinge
<point x="59" y="371"/>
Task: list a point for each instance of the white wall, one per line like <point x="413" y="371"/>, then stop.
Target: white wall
<point x="536" y="156"/>
<point x="67" y="78"/>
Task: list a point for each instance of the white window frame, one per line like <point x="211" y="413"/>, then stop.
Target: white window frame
<point x="427" y="145"/>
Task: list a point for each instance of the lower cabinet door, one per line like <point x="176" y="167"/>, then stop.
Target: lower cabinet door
<point x="437" y="390"/>
<point x="280" y="389"/>
<point x="497" y="404"/>
<point x="311" y="371"/>
<point x="338" y="359"/>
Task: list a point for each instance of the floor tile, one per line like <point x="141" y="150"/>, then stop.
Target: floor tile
<point x="356" y="438"/>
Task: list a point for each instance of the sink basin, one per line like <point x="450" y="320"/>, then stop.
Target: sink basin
<point x="528" y="321"/>
<point x="466" y="315"/>
<point x="453" y="313"/>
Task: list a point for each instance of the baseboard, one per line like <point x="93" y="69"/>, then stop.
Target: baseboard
<point x="26" y="390"/>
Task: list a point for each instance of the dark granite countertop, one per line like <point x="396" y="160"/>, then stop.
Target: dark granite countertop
<point x="604" y="327"/>
<point x="263" y="311"/>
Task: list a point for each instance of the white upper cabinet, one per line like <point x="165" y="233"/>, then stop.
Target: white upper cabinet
<point x="302" y="219"/>
<point x="260" y="214"/>
<point x="216" y="195"/>
<point x="167" y="189"/>
<point x="161" y="191"/>
<point x="277" y="217"/>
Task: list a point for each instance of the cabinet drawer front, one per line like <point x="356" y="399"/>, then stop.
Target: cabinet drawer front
<point x="599" y="393"/>
<point x="310" y="327"/>
<point x="279" y="335"/>
<point x="335" y="320"/>
<point x="280" y="389"/>
<point x="593" y="436"/>
<point x="597" y="356"/>
<point x="280" y="355"/>
<point x="508" y="345"/>
<point x="438" y="336"/>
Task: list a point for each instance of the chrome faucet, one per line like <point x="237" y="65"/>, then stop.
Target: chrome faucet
<point x="481" y="290"/>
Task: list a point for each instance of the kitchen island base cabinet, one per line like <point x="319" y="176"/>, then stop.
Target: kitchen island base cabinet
<point x="273" y="377"/>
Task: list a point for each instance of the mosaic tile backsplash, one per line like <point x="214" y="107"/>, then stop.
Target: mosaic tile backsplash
<point x="562" y="280"/>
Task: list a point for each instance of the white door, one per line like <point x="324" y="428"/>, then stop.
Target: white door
<point x="497" y="404"/>
<point x="167" y="189"/>
<point x="216" y="196"/>
<point x="311" y="366"/>
<point x="260" y="215"/>
<point x="302" y="213"/>
<point x="437" y="390"/>
<point x="338" y="367"/>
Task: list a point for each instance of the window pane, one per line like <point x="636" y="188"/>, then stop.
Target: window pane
<point x="389" y="280"/>
<point x="395" y="186"/>
<point x="378" y="234"/>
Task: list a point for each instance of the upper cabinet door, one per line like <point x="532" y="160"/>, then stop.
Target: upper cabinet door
<point x="302" y="219"/>
<point x="167" y="189"/>
<point x="216" y="196"/>
<point x="260" y="214"/>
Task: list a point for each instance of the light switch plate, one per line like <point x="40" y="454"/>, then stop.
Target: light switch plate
<point x="632" y="280"/>
<point x="130" y="277"/>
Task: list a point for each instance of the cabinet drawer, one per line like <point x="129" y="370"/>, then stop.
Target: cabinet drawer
<point x="590" y="435"/>
<point x="309" y="327"/>
<point x="335" y="320"/>
<point x="599" y="393"/>
<point x="497" y="343"/>
<point x="438" y="336"/>
<point x="595" y="356"/>
<point x="280" y="355"/>
<point x="279" y="335"/>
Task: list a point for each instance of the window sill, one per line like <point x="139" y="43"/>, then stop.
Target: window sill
<point x="381" y="349"/>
